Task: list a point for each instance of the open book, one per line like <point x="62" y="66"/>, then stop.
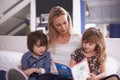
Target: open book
<point x="15" y="74"/>
<point x="78" y="72"/>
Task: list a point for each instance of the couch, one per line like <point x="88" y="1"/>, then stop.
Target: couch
<point x="13" y="47"/>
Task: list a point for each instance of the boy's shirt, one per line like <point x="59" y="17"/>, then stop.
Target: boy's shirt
<point x="44" y="61"/>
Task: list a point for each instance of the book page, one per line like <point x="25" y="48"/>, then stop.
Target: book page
<point x="81" y="70"/>
<point x="63" y="70"/>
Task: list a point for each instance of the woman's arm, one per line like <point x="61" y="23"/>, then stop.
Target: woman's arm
<point x="29" y="71"/>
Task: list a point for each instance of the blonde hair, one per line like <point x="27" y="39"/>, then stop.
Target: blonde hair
<point x="52" y="32"/>
<point x="94" y="35"/>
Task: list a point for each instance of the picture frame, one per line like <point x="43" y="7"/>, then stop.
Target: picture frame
<point x="41" y="29"/>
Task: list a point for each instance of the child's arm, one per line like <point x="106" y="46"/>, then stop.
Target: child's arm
<point x="101" y="75"/>
<point x="72" y="62"/>
<point x="102" y="71"/>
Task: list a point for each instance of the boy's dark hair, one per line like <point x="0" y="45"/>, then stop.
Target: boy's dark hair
<point x="33" y="37"/>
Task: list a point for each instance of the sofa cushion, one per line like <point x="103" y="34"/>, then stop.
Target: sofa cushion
<point x="9" y="59"/>
<point x="112" y="66"/>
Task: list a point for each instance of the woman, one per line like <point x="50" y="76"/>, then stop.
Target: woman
<point x="62" y="39"/>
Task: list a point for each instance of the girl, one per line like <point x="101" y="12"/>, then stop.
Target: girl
<point x="93" y="48"/>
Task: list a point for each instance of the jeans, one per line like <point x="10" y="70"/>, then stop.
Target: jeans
<point x="32" y="79"/>
<point x="50" y="76"/>
<point x="2" y="75"/>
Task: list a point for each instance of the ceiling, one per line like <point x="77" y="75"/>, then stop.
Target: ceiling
<point x="12" y="16"/>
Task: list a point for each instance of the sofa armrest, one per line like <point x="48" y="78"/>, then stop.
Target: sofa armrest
<point x="9" y="59"/>
<point x="112" y="66"/>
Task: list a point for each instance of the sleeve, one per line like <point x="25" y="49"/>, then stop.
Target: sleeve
<point x="24" y="62"/>
<point x="74" y="56"/>
<point x="42" y="70"/>
<point x="48" y="63"/>
<point x="77" y="55"/>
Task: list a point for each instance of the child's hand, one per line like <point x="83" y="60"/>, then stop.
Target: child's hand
<point x="92" y="77"/>
<point x="28" y="72"/>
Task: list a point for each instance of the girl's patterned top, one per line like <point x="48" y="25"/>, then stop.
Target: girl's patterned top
<point x="78" y="56"/>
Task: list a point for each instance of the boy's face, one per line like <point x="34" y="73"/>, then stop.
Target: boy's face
<point x="38" y="50"/>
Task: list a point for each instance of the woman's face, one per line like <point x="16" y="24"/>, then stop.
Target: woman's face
<point x="61" y="24"/>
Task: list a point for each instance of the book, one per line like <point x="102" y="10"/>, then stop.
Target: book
<point x="79" y="71"/>
<point x="15" y="74"/>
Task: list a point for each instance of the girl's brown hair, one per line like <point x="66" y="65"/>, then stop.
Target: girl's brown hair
<point x="94" y="35"/>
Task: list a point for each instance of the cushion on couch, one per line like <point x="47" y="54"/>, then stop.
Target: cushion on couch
<point x="9" y="59"/>
<point x="112" y="66"/>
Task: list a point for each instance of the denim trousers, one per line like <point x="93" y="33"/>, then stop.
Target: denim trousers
<point x="2" y="75"/>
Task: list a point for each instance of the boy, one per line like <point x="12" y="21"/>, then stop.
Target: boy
<point x="37" y="60"/>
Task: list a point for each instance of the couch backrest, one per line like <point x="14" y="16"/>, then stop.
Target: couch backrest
<point x="113" y="48"/>
<point x="19" y="46"/>
<point x="13" y="43"/>
<point x="18" y="43"/>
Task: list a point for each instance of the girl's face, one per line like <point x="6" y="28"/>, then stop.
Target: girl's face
<point x="38" y="50"/>
<point x="89" y="46"/>
<point x="61" y="24"/>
